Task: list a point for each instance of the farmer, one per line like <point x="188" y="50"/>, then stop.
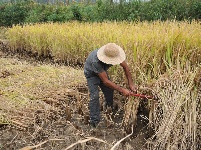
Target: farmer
<point x="95" y="70"/>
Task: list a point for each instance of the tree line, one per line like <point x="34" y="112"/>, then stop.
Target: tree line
<point x="29" y="11"/>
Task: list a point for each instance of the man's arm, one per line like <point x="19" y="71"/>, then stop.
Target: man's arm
<point x="110" y="84"/>
<point x="128" y="76"/>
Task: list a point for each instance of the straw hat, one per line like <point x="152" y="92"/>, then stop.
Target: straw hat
<point x="111" y="54"/>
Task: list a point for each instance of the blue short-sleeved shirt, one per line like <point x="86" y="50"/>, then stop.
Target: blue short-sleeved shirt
<point x="93" y="65"/>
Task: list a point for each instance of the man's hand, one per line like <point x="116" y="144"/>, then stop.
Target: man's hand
<point x="125" y="92"/>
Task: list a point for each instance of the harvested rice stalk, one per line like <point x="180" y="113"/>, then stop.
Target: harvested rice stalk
<point x="176" y="117"/>
<point x="130" y="115"/>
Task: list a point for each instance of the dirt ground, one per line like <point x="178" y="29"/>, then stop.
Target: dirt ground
<point x="55" y="117"/>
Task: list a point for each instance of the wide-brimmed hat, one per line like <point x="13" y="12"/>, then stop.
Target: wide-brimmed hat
<point x="111" y="54"/>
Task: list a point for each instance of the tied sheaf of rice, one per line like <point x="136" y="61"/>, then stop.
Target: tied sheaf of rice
<point x="176" y="116"/>
<point x="166" y="55"/>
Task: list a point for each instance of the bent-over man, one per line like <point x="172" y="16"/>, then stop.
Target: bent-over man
<point x="95" y="70"/>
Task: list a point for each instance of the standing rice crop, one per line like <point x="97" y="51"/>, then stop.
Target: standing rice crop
<point x="151" y="48"/>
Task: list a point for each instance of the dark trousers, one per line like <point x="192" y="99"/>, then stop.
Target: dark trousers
<point x="94" y="83"/>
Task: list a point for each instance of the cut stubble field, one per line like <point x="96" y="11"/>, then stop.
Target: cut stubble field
<point x="45" y="106"/>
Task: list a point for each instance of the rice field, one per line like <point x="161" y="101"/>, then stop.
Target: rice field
<point x="163" y="56"/>
<point x="151" y="48"/>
